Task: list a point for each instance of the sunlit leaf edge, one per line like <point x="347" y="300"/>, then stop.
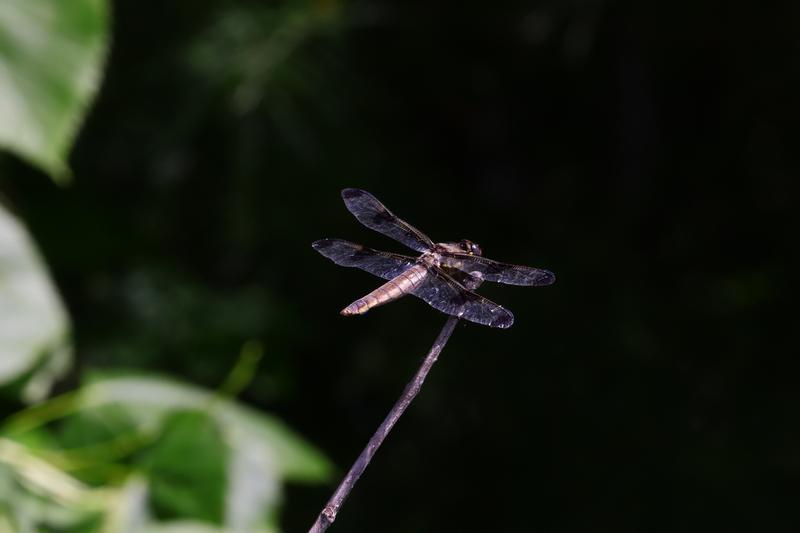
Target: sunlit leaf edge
<point x="152" y="396"/>
<point x="52" y="159"/>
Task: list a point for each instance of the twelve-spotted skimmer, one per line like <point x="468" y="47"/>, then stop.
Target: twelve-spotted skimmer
<point x="438" y="276"/>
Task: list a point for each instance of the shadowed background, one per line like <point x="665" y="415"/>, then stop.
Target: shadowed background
<point x="645" y="154"/>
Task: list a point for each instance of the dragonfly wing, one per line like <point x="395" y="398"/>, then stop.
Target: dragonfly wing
<point x="349" y="254"/>
<point x="374" y="215"/>
<point x="444" y="293"/>
<point x="489" y="270"/>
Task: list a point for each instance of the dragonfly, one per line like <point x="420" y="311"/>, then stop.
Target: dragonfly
<point x="444" y="274"/>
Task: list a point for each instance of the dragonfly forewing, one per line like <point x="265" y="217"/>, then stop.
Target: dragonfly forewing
<point x="489" y="270"/>
<point x="374" y="215"/>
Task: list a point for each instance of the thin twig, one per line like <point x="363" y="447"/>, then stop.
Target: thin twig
<point x="328" y="514"/>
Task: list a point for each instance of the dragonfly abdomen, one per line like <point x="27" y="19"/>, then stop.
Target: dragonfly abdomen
<point x="389" y="291"/>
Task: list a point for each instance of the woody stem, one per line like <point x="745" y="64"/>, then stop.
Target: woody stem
<point x="328" y="514"/>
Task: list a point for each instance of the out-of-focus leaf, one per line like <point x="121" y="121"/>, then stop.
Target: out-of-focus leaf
<point x="253" y="485"/>
<point x="186" y="468"/>
<point x="95" y="426"/>
<point x="129" y="512"/>
<point x="95" y="440"/>
<point x="38" y="495"/>
<point x="262" y="451"/>
<point x="33" y="324"/>
<point x="186" y="526"/>
<point x="150" y="398"/>
<point x="51" y="56"/>
<point x="182" y="526"/>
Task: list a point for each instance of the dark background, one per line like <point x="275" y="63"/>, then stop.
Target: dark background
<point x="644" y="152"/>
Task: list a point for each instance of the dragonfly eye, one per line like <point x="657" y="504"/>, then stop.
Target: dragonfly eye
<point x="470" y="247"/>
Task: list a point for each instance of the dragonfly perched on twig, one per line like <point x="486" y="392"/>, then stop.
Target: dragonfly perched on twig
<point x="439" y="276"/>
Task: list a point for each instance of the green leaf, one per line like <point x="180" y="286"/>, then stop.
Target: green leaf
<point x="150" y="398"/>
<point x="186" y="468"/>
<point x="51" y="58"/>
<point x="262" y="451"/>
<point x="95" y="426"/>
<point x="128" y="511"/>
<point x="197" y="527"/>
<point x="37" y="496"/>
<point x="33" y="324"/>
<point x="96" y="441"/>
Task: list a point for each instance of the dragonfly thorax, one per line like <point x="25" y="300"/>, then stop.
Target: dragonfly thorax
<point x="464" y="246"/>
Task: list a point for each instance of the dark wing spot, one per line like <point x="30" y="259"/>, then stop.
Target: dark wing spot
<point x="548" y="278"/>
<point x="361" y="254"/>
<point x="348" y="194"/>
<point x="382" y="217"/>
<point x="457" y="299"/>
<point x="503" y="320"/>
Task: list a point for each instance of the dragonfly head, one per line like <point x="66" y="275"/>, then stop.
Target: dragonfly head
<point x="470" y="247"/>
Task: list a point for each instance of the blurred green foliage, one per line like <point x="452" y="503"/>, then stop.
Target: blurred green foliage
<point x="118" y="453"/>
<point x="196" y="455"/>
<point x="51" y="59"/>
<point x="34" y="328"/>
